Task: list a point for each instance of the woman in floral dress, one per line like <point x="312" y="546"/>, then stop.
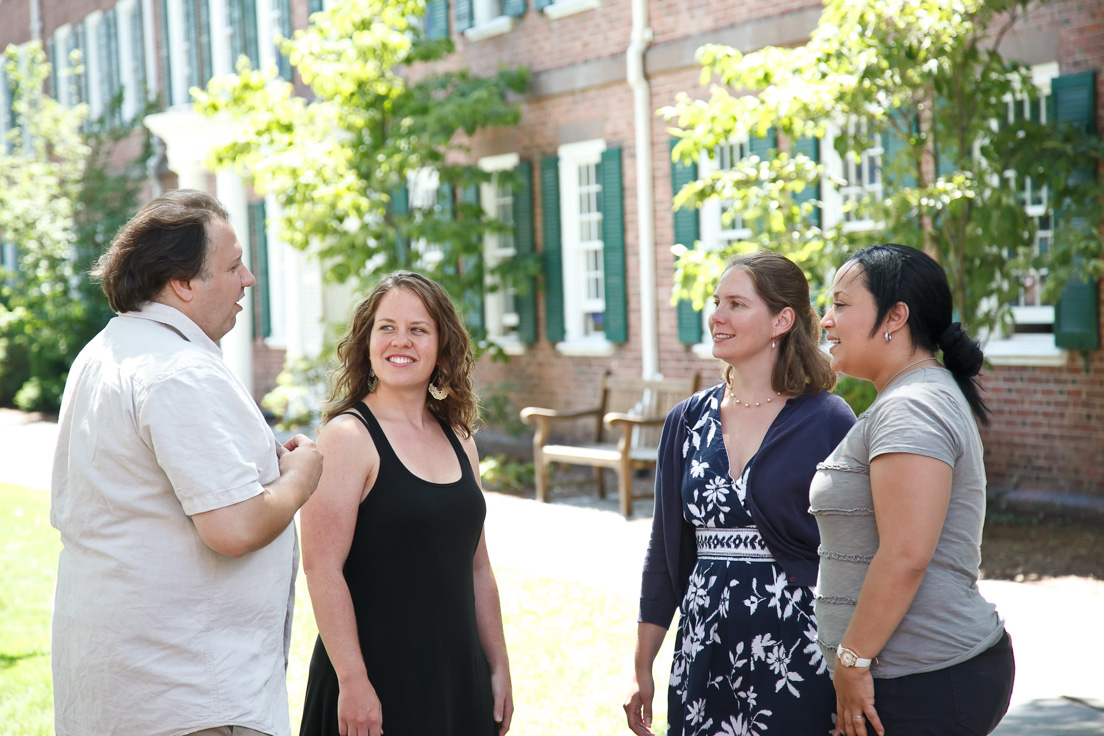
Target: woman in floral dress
<point x="733" y="546"/>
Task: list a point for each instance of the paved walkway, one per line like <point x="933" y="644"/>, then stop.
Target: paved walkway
<point x="1055" y="624"/>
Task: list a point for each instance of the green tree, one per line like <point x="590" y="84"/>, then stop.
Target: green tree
<point x="380" y="112"/>
<point x="922" y="80"/>
<point x="59" y="208"/>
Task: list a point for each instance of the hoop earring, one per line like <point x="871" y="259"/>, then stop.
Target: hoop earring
<point x="438" y="393"/>
<point x="373" y="381"/>
<point x="888" y="337"/>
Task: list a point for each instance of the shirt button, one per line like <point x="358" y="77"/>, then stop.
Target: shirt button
<point x="793" y="579"/>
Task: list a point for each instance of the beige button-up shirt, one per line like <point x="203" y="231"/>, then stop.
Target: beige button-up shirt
<point x="155" y="633"/>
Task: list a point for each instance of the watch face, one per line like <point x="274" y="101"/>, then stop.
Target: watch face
<point x="847" y="657"/>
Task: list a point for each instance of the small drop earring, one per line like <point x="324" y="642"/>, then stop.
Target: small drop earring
<point x="372" y="380"/>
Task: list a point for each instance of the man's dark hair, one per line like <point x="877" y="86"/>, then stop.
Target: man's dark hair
<point x="166" y="240"/>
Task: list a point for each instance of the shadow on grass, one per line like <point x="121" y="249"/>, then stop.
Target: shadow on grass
<point x="7" y="661"/>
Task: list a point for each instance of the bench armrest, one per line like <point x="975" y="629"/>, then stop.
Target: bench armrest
<point x="531" y="413"/>
<point x="629" y="421"/>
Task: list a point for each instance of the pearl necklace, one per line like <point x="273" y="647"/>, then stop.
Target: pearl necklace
<point x="910" y="365"/>
<point x="747" y="404"/>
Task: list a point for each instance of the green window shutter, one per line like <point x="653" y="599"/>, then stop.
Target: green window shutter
<point x="234" y="11"/>
<point x="108" y="42"/>
<point x="400" y="206"/>
<point x="895" y="150"/>
<point x="444" y="201"/>
<point x="472" y="302"/>
<point x="809" y="147"/>
<point x="687" y="224"/>
<point x="243" y="36"/>
<point x="258" y="238"/>
<point x="203" y="15"/>
<point x="541" y="4"/>
<point x="1077" y="314"/>
<point x="526" y="298"/>
<point x="52" y="50"/>
<point x="76" y="43"/>
<point x="191" y="39"/>
<point x="613" y="246"/>
<point x="165" y="56"/>
<point x="138" y="54"/>
<point x="314" y="6"/>
<point x="464" y="17"/>
<point x="514" y="8"/>
<point x="761" y="145"/>
<point x="553" y="249"/>
<point x="7" y="114"/>
<point x="252" y="38"/>
<point x="284" y="8"/>
<point x="437" y="19"/>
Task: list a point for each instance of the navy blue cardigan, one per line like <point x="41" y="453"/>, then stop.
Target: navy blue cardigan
<point x="806" y="430"/>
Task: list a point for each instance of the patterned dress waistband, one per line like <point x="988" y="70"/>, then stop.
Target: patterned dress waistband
<point x="743" y="543"/>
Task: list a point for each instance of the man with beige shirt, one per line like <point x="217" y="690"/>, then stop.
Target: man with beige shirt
<point x="174" y="500"/>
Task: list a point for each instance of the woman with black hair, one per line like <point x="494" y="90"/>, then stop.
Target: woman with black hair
<point x="913" y="646"/>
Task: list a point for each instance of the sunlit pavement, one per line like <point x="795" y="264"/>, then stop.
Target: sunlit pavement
<point x="1055" y="624"/>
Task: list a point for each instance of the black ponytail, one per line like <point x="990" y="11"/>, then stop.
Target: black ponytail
<point x="963" y="358"/>
<point x="897" y="273"/>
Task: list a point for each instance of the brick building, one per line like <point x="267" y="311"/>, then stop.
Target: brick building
<point x="598" y="188"/>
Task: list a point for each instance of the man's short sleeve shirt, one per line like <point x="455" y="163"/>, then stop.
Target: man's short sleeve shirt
<point x="154" y="632"/>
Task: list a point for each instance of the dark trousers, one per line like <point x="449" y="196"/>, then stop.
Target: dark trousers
<point x="968" y="699"/>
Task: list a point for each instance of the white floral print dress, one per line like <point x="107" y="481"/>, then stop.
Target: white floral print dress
<point x="746" y="659"/>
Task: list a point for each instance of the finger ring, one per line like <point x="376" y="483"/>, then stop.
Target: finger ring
<point x="857" y="718"/>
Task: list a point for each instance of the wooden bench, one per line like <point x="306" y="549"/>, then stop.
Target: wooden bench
<point x="628" y="421"/>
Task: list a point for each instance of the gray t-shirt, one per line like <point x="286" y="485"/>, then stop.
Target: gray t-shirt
<point x="923" y="413"/>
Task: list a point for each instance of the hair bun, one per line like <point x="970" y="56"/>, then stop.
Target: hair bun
<point x="961" y="354"/>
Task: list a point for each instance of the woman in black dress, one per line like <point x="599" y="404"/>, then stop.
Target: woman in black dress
<point x="410" y="627"/>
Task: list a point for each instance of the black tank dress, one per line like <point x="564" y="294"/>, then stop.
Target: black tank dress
<point x="409" y="572"/>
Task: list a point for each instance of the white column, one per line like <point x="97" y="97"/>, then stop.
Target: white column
<point x="178" y="44"/>
<point x="92" y="64"/>
<point x="124" y="18"/>
<point x="188" y="139"/>
<point x="237" y="346"/>
<point x="266" y="33"/>
<point x="221" y="62"/>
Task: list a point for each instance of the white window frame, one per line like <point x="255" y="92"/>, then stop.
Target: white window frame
<point x="421" y="186"/>
<point x="714" y="236"/>
<point x="835" y="198"/>
<point x="563" y="8"/>
<point x="1033" y="348"/>
<point x="64" y="76"/>
<point x="574" y="252"/>
<point x="489" y="19"/>
<point x="496" y="319"/>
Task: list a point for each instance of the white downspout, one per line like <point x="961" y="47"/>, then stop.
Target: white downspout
<point x="640" y="38"/>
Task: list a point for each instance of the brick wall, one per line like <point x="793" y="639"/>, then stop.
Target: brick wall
<point x="1048" y="423"/>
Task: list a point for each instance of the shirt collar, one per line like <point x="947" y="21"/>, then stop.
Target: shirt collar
<point x="175" y="320"/>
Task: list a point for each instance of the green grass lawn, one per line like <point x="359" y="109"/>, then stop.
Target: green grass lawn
<point x="28" y="563"/>
<point x="571" y="645"/>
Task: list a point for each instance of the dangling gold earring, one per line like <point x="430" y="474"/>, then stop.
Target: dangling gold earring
<point x="372" y="380"/>
<point x="438" y="393"/>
